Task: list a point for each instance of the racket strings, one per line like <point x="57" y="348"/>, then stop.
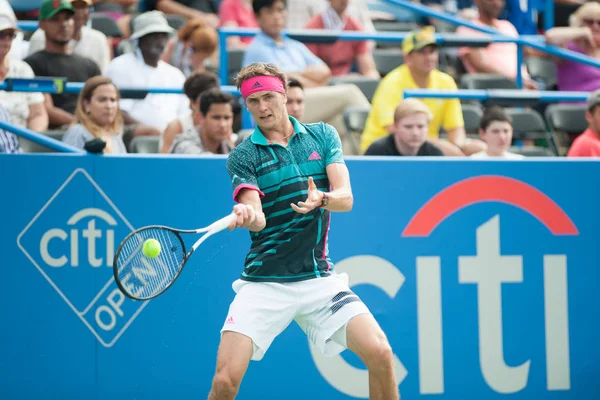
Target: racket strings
<point x="144" y="277"/>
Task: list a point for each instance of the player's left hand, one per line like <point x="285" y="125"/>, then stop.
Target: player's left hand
<point x="313" y="200"/>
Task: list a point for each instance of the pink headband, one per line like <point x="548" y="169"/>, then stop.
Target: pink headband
<point x="261" y="84"/>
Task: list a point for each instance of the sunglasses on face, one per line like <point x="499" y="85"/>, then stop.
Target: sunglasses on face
<point x="8" y="34"/>
<point x="590" y="22"/>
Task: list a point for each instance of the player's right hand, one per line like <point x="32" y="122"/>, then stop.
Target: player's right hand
<point x="246" y="215"/>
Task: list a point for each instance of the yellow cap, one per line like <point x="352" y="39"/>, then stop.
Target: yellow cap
<point x="416" y="40"/>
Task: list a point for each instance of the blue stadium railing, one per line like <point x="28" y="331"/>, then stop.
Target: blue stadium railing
<point x="445" y="39"/>
<point x="522" y="96"/>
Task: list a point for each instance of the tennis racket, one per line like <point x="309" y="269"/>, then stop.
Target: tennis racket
<point x="142" y="278"/>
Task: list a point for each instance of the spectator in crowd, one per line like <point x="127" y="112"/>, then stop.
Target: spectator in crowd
<point x="496" y="58"/>
<point x="98" y="116"/>
<point x="118" y="11"/>
<point x="583" y="36"/>
<point x="323" y="102"/>
<point x="237" y="14"/>
<point x="26" y="109"/>
<point x="295" y="99"/>
<point x="144" y="68"/>
<point x="193" y="87"/>
<point x="302" y="11"/>
<point x="204" y="9"/>
<point x="409" y="134"/>
<point x="9" y="143"/>
<point x="496" y="131"/>
<point x="194" y="44"/>
<point x="56" y="20"/>
<point x="215" y="129"/>
<point x="86" y="42"/>
<point x="343" y="55"/>
<point x="18" y="51"/>
<point x="588" y="143"/>
<point x="420" y="72"/>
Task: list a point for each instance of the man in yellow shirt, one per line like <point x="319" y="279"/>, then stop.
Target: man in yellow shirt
<point x="420" y="72"/>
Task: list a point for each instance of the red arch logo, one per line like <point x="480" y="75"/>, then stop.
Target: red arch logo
<point x="486" y="189"/>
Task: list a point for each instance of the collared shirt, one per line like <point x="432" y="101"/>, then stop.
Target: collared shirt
<point x="585" y="145"/>
<point x="447" y="113"/>
<point x="189" y="142"/>
<point x="293" y="246"/>
<point x="290" y="56"/>
<point x="9" y="143"/>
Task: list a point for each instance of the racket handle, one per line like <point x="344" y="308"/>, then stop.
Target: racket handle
<point x="223" y="223"/>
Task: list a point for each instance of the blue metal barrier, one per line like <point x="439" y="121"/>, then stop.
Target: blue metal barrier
<point x="525" y="96"/>
<point x="536" y="42"/>
<point x="483" y="274"/>
<point x="39" y="138"/>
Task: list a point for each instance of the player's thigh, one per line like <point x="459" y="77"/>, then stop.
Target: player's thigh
<point x="260" y="311"/>
<point x="365" y="338"/>
<point x="329" y="306"/>
<point x="235" y="352"/>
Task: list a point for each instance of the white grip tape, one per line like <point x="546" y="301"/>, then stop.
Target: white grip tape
<point x="223" y="223"/>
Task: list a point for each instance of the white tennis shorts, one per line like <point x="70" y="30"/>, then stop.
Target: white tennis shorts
<point x="322" y="307"/>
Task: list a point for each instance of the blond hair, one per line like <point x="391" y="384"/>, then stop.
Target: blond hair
<point x="576" y="19"/>
<point x="86" y="95"/>
<point x="260" y="69"/>
<point x="185" y="32"/>
<point x="411" y="106"/>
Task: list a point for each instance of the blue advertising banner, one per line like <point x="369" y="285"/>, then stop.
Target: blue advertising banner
<point x="483" y="274"/>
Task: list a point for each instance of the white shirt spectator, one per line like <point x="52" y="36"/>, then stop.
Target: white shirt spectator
<point x="93" y="45"/>
<point x="17" y="103"/>
<point x="156" y="110"/>
<point x="507" y="156"/>
<point x="301" y="11"/>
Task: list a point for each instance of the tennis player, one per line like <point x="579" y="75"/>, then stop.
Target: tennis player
<point x="281" y="175"/>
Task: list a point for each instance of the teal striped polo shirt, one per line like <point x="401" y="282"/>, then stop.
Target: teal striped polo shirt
<point x="292" y="247"/>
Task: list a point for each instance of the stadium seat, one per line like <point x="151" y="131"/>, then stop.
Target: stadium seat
<point x="387" y="59"/>
<point x="567" y="118"/>
<point x="175" y="21"/>
<point x="542" y="69"/>
<point x="472" y="115"/>
<point x="355" y="119"/>
<point x="366" y="85"/>
<point x="532" y="151"/>
<point x="105" y="24"/>
<point x="144" y="144"/>
<point x="28" y="146"/>
<point x="528" y="124"/>
<point x="487" y="81"/>
<point x="235" y="57"/>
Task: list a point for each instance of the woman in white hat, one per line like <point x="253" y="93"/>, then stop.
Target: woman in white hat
<point x="26" y="109"/>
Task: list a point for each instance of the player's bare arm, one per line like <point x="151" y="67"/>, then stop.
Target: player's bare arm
<point x="340" y="199"/>
<point x="249" y="211"/>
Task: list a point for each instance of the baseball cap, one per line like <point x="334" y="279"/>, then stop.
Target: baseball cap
<point x="50" y="8"/>
<point x="593" y="100"/>
<point x="416" y="40"/>
<point x="7" y="22"/>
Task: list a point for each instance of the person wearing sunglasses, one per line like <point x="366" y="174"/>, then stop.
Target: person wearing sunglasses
<point x="25" y="109"/>
<point x="583" y="36"/>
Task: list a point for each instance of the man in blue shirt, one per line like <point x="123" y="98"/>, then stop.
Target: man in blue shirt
<point x="323" y="102"/>
<point x="281" y="178"/>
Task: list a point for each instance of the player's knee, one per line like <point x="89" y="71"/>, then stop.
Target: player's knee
<point x="225" y="384"/>
<point x="380" y="354"/>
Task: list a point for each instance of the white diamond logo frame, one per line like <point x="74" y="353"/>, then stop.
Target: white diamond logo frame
<point x="109" y="283"/>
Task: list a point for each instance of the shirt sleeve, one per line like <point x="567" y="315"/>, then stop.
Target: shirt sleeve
<point x="333" y="145"/>
<point x="76" y="136"/>
<point x="308" y="56"/>
<point x="241" y="172"/>
<point x="227" y="12"/>
<point x="453" y="116"/>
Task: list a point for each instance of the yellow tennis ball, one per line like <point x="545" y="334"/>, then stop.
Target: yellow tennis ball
<point x="151" y="248"/>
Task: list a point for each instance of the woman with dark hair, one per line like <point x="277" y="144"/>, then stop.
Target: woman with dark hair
<point x="99" y="119"/>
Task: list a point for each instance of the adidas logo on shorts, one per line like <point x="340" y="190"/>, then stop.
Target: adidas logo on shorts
<point x="229" y="320"/>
